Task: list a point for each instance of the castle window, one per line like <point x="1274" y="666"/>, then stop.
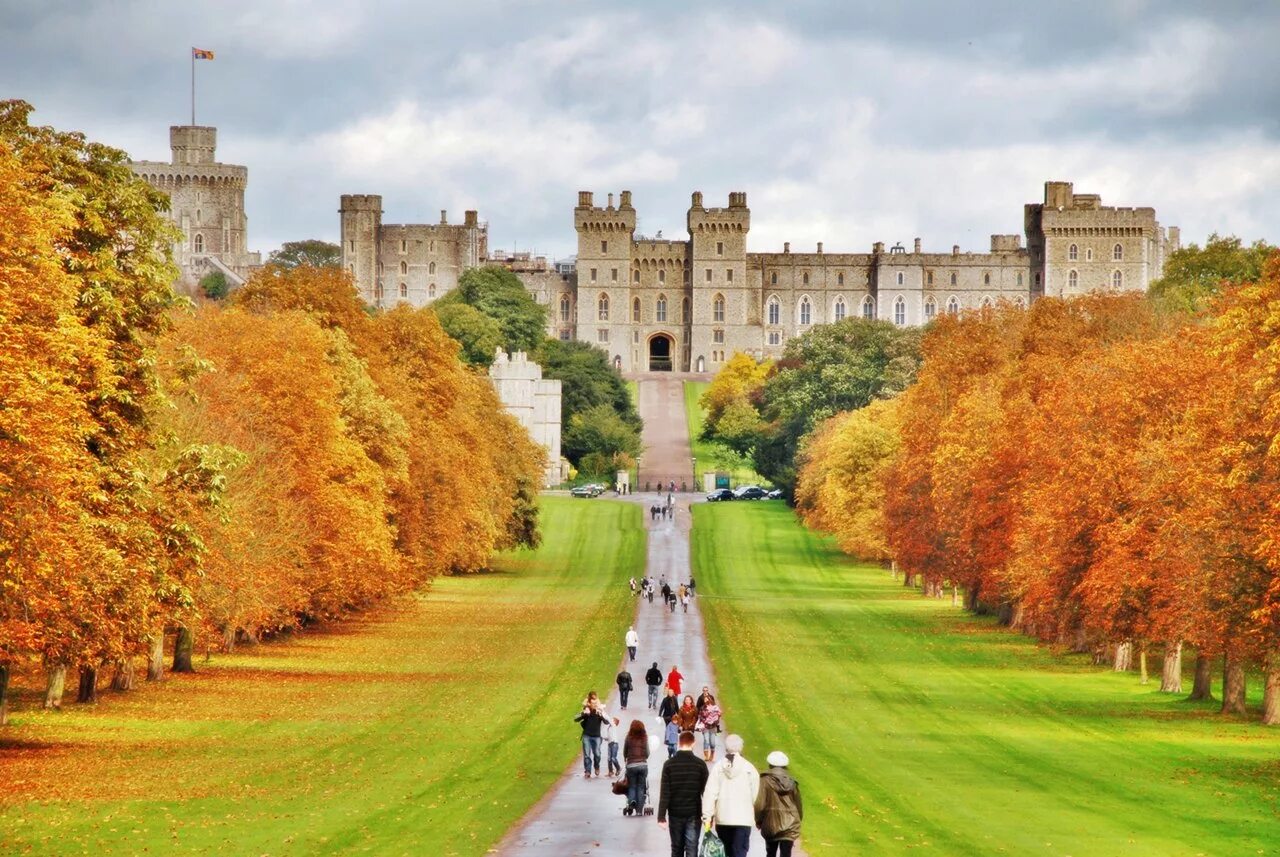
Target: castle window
<point x="602" y="307"/>
<point x="773" y="278"/>
<point x="564" y="334"/>
<point x="1117" y="252"/>
<point x="728" y="275"/>
<point x="806" y="311"/>
<point x="986" y="302"/>
<point x="635" y="310"/>
<point x="717" y="335"/>
<point x="602" y="335"/>
<point x="433" y="246"/>
<point x="377" y="294"/>
<point x="868" y="307"/>
<point x="805" y="278"/>
<point x="708" y="275"/>
<point x="198" y="242"/>
<point x="662" y="276"/>
<point x="1019" y="279"/>
<point x="930" y="309"/>
<point x="1073" y="253"/>
<point x="902" y="278"/>
<point x="717" y="308"/>
<point x="775" y="309"/>
<point x="899" y="311"/>
<point x="719" y="248"/>
<point x="840" y="279"/>
<point x="635" y="337"/>
<point x="660" y="309"/>
<point x="928" y="277"/>
<point x="351" y="246"/>
<point x="635" y="275"/>
<point x="953" y="278"/>
<point x="774" y="337"/>
<point x="953" y="306"/>
<point x="564" y="305"/>
<point x="1073" y="280"/>
<point x="986" y="279"/>
<point x="604" y="247"/>
<point x="593" y="275"/>
<point x="1088" y="254"/>
<point x="1020" y="303"/>
<point x="404" y="290"/>
<point x="839" y="310"/>
<point x="431" y="269"/>
<point x="404" y="268"/>
<point x="1117" y="279"/>
<point x="684" y="311"/>
<point x="613" y="276"/>
<point x="431" y="290"/>
<point x="404" y="246"/>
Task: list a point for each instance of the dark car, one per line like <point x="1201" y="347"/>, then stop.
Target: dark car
<point x="584" y="491"/>
<point x="775" y="494"/>
<point x="750" y="492"/>
<point x="719" y="494"/>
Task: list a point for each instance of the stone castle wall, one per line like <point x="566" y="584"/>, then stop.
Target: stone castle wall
<point x="534" y="401"/>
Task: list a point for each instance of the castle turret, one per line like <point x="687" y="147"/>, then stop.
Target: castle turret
<point x="193" y="144"/>
<point x="605" y="237"/>
<point x="361" y="222"/>
<point x="722" y="303"/>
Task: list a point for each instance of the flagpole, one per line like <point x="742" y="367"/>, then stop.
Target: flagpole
<point x="193" y="86"/>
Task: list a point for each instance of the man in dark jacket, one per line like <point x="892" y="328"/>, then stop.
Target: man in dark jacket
<point x="684" y="776"/>
<point x="653" y="678"/>
<point x="670" y="705"/>
<point x="593" y="722"/>
<point x="778" y="807"/>
<point x="624" y="686"/>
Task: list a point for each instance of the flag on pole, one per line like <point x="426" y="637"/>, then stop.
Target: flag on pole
<point x="199" y="54"/>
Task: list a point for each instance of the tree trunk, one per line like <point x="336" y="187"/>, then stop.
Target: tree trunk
<point x="88" y="685"/>
<point x="1171" y="672"/>
<point x="57" y="675"/>
<point x="155" y="661"/>
<point x="1202" y="687"/>
<point x="1123" y="657"/>
<point x="183" y="650"/>
<point x="1016" y="615"/>
<point x="1233" y="684"/>
<point x="908" y="579"/>
<point x="893" y="568"/>
<point x="1080" y="641"/>
<point x="971" y="598"/>
<point x="123" y="679"/>
<point x="229" y="637"/>
<point x="1142" y="663"/>
<point x="4" y="694"/>
<point x="955" y="595"/>
<point x="1270" y="698"/>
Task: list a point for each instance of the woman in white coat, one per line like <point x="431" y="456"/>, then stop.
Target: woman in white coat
<point x="729" y="800"/>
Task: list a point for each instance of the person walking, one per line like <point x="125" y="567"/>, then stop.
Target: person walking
<point x="653" y="679"/>
<point x="634" y="587"/>
<point x="672" y="737"/>
<point x="693" y="585"/>
<point x="709" y="725"/>
<point x="635" y="753"/>
<point x="702" y="698"/>
<point x="592" y="719"/>
<point x="684" y="599"/>
<point x="670" y="705"/>
<point x="674" y="678"/>
<point x="633" y="642"/>
<point x="687" y="715"/>
<point x="684" y="777"/>
<point x="729" y="800"/>
<point x="779" y="811"/>
<point x="611" y="739"/>
<point x="624" y="686"/>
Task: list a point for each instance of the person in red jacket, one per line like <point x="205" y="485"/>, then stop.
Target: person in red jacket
<point x="674" y="678"/>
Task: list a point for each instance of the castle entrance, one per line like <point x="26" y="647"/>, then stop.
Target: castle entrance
<point x="661" y="347"/>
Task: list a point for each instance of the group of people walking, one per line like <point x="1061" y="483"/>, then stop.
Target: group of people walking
<point x="680" y="593"/>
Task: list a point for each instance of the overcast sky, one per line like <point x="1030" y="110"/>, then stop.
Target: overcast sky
<point x="845" y="122"/>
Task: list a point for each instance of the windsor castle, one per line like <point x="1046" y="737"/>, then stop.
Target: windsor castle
<point x="686" y="305"/>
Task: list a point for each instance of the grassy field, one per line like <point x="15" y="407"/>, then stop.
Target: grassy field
<point x="915" y="728"/>
<point x="428" y="728"/>
<point x="712" y="456"/>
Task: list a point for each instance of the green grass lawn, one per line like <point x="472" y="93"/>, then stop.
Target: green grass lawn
<point x="914" y="728"/>
<point x="428" y="728"/>
<point x="713" y="456"/>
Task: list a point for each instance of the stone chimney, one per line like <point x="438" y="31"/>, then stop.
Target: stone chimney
<point x="625" y="199"/>
<point x="955" y="249"/>
<point x="819" y="246"/>
<point x="584" y="199"/>
<point x="611" y="201"/>
<point x="444" y="216"/>
<point x="917" y="245"/>
<point x="877" y="247"/>
<point x="786" y="246"/>
<point x="697" y="199"/>
<point x="472" y="218"/>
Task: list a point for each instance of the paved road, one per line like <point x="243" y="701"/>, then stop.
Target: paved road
<point x="667" y="455"/>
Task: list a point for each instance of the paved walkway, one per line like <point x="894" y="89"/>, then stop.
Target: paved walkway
<point x="667" y="456"/>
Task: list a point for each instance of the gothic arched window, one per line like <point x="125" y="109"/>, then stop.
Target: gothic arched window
<point x="1117" y="252"/>
<point x="953" y="306"/>
<point x="717" y="308"/>
<point x="899" y="311"/>
<point x="1073" y="280"/>
<point x="602" y="307"/>
<point x="404" y="268"/>
<point x="660" y="308"/>
<point x="1073" y="253"/>
<point x="839" y="312"/>
<point x="199" y="243"/>
<point x="868" y="307"/>
<point x="635" y="309"/>
<point x="930" y="309"/>
<point x="806" y="311"/>
<point x="775" y="309"/>
<point x="564" y="306"/>
<point x="1117" y="278"/>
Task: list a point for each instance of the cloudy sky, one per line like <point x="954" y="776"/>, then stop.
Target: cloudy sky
<point x="844" y="121"/>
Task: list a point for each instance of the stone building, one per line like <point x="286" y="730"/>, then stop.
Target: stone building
<point x="535" y="402"/>
<point x="406" y="263"/>
<point x="689" y="304"/>
<point x="206" y="201"/>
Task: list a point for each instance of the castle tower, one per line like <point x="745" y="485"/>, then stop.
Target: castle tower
<point x="361" y="229"/>
<point x="605" y="237"/>
<point x="722" y="303"/>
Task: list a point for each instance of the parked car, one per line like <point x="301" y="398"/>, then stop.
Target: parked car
<point x="775" y="494"/>
<point x="750" y="492"/>
<point x="591" y="490"/>
<point x="720" y="494"/>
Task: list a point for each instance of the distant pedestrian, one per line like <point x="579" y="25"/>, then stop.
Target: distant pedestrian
<point x="779" y="811"/>
<point x="624" y="686"/>
<point x="666" y="592"/>
<point x="683" y="590"/>
<point x="634" y="588"/>
<point x="670" y="705"/>
<point x="709" y="725"/>
<point x="693" y="585"/>
<point x="672" y="736"/>
<point x="611" y="740"/>
<point x="653" y="678"/>
<point x="684" y="599"/>
<point x="671" y="601"/>
<point x="673" y="679"/>
<point x="635" y="753"/>
<point x="684" y="778"/>
<point x="592" y="719"/>
<point x="702" y="698"/>
<point x="633" y="642"/>
<point x="687" y="715"/>
<point x="729" y="799"/>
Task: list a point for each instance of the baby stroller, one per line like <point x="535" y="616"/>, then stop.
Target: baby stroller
<point x="620" y="787"/>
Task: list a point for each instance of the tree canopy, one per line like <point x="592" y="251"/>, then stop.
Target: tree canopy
<point x="498" y="294"/>
<point x="1193" y="275"/>
<point x="312" y="252"/>
<point x="587" y="382"/>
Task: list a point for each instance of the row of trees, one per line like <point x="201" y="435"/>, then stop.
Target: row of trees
<point x="225" y="473"/>
<point x="1102" y="471"/>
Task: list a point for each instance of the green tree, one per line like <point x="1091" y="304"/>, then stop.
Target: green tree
<point x="1194" y="275"/>
<point x="601" y="430"/>
<point x="501" y="296"/>
<point x="478" y="334"/>
<point x="214" y="285"/>
<point x="739" y="427"/>
<point x="832" y="368"/>
<point x="313" y="252"/>
<point x="586" y="380"/>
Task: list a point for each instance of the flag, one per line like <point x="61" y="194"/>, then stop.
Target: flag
<point x="198" y="54"/>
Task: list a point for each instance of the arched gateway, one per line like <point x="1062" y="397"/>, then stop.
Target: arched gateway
<point x="661" y="349"/>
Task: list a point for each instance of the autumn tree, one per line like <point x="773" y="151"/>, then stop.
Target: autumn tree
<point x="311" y="252"/>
